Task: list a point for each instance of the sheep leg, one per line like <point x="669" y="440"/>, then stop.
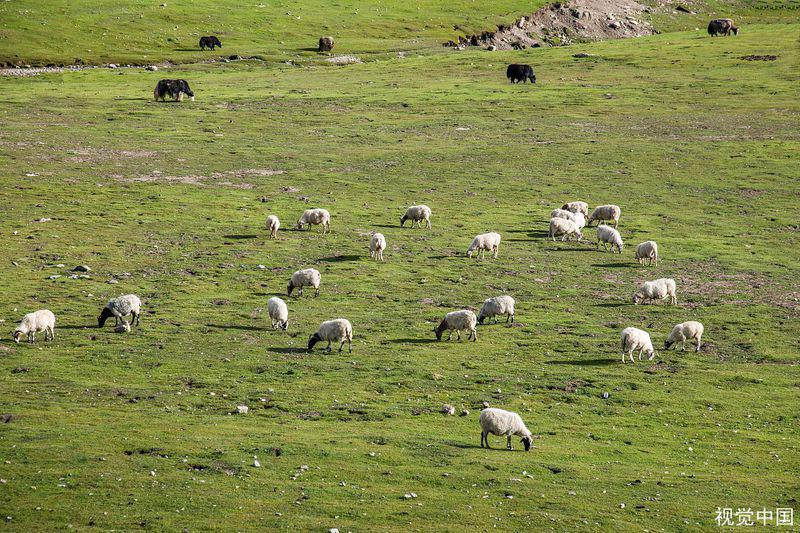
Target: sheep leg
<point x="474" y="335"/>
<point x="328" y="349"/>
<point x="300" y="291"/>
<point x="350" y="345"/>
<point x="485" y="438"/>
<point x="429" y="224"/>
<point x="458" y="334"/>
<point x="32" y="337"/>
<point x="630" y="354"/>
<point x="450" y="334"/>
<point x="341" y="346"/>
<point x="508" y="442"/>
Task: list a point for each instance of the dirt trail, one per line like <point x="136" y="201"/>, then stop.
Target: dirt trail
<point x="564" y="23"/>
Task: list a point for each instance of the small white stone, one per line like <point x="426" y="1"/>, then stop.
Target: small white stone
<point x="242" y="409"/>
<point x="256" y="463"/>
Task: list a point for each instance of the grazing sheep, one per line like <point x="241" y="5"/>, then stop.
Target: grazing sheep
<point x="483" y="242"/>
<point x="605" y="213"/>
<point x="273" y="225"/>
<point x="416" y="214"/>
<point x="338" y="330"/>
<point x="458" y="321"/>
<point x="501" y="422"/>
<point x="32" y="323"/>
<point x="683" y="332"/>
<point x="499" y="305"/>
<point x="120" y="307"/>
<point x="565" y="228"/>
<point x="325" y="44"/>
<point x="562" y="213"/>
<point x="608" y="235"/>
<point x="278" y="313"/>
<point x="377" y="244"/>
<point x="577" y="207"/>
<point x="308" y="277"/>
<point x="656" y="290"/>
<point x="315" y="217"/>
<point x="647" y="250"/>
<point x="636" y="339"/>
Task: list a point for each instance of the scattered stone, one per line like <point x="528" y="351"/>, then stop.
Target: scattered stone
<point x="333" y="530"/>
<point x="112" y="65"/>
<point x="683" y="9"/>
<point x="464" y="412"/>
<point x="81" y="268"/>
<point x="485" y="405"/>
<point x="605" y="396"/>
<point x="581" y="55"/>
<point x="343" y="60"/>
<point x="151" y="68"/>
<point x="125" y="327"/>
<point x="113" y="281"/>
<point x="449" y="410"/>
<point x="55" y="276"/>
<point x="491" y="48"/>
<point x="7" y="418"/>
<point x="43" y="220"/>
<point x="264" y="199"/>
<point x="242" y="409"/>
<point x="622" y="506"/>
<point x="256" y="463"/>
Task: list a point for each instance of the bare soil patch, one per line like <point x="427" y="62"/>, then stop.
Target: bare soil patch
<point x="565" y="23"/>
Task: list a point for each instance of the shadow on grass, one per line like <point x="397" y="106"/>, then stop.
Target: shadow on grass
<point x="445" y="256"/>
<point x="241" y="328"/>
<point x="390" y="226"/>
<point x="612" y="265"/>
<point x="289" y="350"/>
<point x="584" y="362"/>
<point x="340" y="258"/>
<point x="412" y="341"/>
<point x="309" y="49"/>
<point x="241" y="237"/>
<point x="78" y="326"/>
<point x="188" y="49"/>
<point x="612" y="304"/>
<point x="570" y="250"/>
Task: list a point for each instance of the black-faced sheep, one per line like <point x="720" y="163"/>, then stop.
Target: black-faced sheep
<point x="315" y="217"/>
<point x="278" y="313"/>
<point x="458" y="321"/>
<point x="499" y="305"/>
<point x="119" y="308"/>
<point x="683" y="332"/>
<point x="32" y="323"/>
<point x="308" y="277"/>
<point x="658" y="289"/>
<point x="338" y="330"/>
<point x="417" y="214"/>
<point x="501" y="422"/>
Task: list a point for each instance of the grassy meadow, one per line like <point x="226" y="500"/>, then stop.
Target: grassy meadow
<point x="698" y="146"/>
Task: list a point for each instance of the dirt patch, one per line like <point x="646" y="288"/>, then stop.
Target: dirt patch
<point x="221" y="179"/>
<point x="83" y="155"/>
<point x="565" y="23"/>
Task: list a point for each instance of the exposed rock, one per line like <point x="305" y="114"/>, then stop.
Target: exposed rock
<point x="449" y="410"/>
<point x="81" y="268"/>
<point x="151" y="68"/>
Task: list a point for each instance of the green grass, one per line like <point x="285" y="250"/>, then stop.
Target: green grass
<point x="697" y="146"/>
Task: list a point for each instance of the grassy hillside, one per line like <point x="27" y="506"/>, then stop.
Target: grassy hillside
<point x="133" y="431"/>
<point x="142" y="32"/>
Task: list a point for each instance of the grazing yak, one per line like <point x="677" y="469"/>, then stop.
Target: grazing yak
<point x="520" y="73"/>
<point x="325" y="44"/>
<point x="722" y="27"/>
<point x="174" y="88"/>
<point x="211" y="41"/>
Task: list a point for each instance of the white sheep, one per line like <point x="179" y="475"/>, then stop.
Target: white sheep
<point x="499" y="305"/>
<point x="338" y="330"/>
<point x="273" y="224"/>
<point x="278" y="313"/>
<point x="416" y="214"/>
<point x="458" y="321"/>
<point x="483" y="242"/>
<point x="656" y="290"/>
<point x="120" y="307"/>
<point x="501" y="422"/>
<point x="377" y="244"/>
<point x="32" y="323"/>
<point x="633" y="339"/>
<point x="315" y="217"/>
<point x="577" y="207"/>
<point x="562" y="213"/>
<point x="608" y="235"/>
<point x="307" y="277"/>
<point x="579" y="219"/>
<point x="565" y="228"/>
<point x="647" y="250"/>
<point x="605" y="213"/>
<point x="683" y="332"/>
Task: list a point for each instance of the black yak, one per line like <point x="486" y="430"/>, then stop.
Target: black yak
<point x="211" y="41"/>
<point x="174" y="88"/>
<point x="520" y="73"/>
<point x="722" y="27"/>
<point x="325" y="44"/>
